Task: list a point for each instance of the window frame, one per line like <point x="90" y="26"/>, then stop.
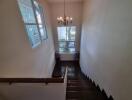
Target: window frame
<point x="42" y="18"/>
<point x="67" y="42"/>
<point x="36" y="23"/>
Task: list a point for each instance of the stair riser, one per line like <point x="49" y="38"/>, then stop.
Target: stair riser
<point x="80" y="89"/>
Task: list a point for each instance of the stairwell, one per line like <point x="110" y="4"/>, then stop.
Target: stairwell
<point x="79" y="87"/>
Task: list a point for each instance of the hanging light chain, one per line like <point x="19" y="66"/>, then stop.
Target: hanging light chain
<point x="66" y="19"/>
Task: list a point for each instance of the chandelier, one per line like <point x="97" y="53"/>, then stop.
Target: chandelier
<point x="65" y="20"/>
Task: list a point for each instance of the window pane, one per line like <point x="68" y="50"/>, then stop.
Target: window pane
<point x="27" y="11"/>
<point x="39" y="16"/>
<point x="37" y="12"/>
<point x="36" y="4"/>
<point x="61" y="33"/>
<point x="62" y="44"/>
<point x="71" y="44"/>
<point x="71" y="49"/>
<point x="33" y="35"/>
<point x="67" y="50"/>
<point x="66" y="38"/>
<point x="42" y="32"/>
<point x="71" y="32"/>
<point x="62" y="50"/>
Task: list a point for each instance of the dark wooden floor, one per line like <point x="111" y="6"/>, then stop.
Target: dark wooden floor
<point x="79" y="87"/>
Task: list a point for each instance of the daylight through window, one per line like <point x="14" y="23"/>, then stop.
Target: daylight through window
<point x="32" y="14"/>
<point x="66" y="39"/>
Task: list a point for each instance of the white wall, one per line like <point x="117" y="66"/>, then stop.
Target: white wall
<point x="33" y="91"/>
<point x="52" y="91"/>
<point x="17" y="58"/>
<point x="73" y="9"/>
<point x="106" y="45"/>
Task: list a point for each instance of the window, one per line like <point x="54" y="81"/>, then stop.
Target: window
<point x="32" y="14"/>
<point x="66" y="38"/>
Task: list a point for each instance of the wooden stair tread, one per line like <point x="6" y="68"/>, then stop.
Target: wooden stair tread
<point x="84" y="95"/>
<point x="79" y="87"/>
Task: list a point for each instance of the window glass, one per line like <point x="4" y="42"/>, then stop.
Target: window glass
<point x="71" y="44"/>
<point x="38" y="12"/>
<point x="62" y="49"/>
<point x="66" y="38"/>
<point x="33" y="35"/>
<point x="27" y="11"/>
<point x="42" y="32"/>
<point x="38" y="17"/>
<point x="71" y="49"/>
<point x="40" y="20"/>
<point x="62" y="33"/>
<point x="32" y="14"/>
<point x="62" y="44"/>
<point x="71" y="31"/>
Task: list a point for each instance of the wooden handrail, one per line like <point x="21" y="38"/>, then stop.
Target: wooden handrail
<point x="32" y="80"/>
<point x="59" y="79"/>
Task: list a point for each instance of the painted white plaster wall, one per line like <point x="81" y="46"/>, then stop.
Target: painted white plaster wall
<point x="53" y="91"/>
<point x="106" y="45"/>
<point x="33" y="91"/>
<point x="17" y="58"/>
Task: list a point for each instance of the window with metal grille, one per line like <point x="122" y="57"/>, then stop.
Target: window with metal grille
<point x="66" y="38"/>
<point x="33" y="18"/>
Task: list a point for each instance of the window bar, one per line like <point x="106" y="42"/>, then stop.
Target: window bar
<point x="44" y="23"/>
<point x="33" y="6"/>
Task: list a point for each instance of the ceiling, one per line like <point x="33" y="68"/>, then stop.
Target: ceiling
<point x="53" y="1"/>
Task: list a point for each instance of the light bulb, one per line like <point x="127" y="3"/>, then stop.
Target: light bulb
<point x="67" y="18"/>
<point x="61" y="18"/>
<point x="71" y="18"/>
<point x="58" y="18"/>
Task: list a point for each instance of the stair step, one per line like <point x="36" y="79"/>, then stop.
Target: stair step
<point x="80" y="84"/>
<point x="73" y="94"/>
<point x="74" y="81"/>
<point x="77" y="93"/>
<point x="84" y="95"/>
<point x="74" y="84"/>
<point x="79" y="88"/>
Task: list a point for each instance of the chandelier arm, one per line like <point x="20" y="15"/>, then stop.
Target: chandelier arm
<point x="66" y="19"/>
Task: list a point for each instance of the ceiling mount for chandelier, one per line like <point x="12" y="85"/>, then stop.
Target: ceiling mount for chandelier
<point x="65" y="20"/>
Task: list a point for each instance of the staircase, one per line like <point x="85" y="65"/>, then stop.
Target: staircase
<point x="79" y="87"/>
